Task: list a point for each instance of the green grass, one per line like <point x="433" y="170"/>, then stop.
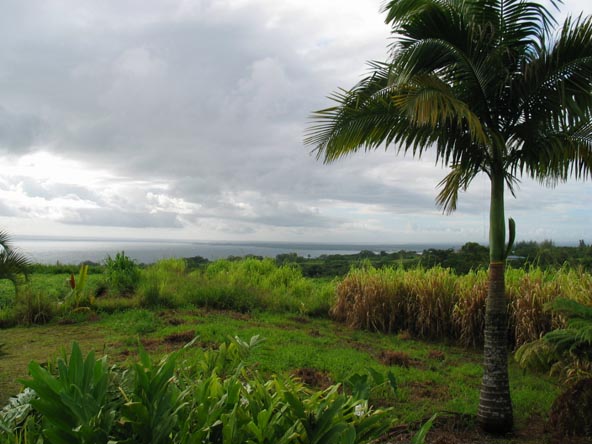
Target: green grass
<point x="52" y="285"/>
<point x="439" y="377"/>
<point x="173" y="304"/>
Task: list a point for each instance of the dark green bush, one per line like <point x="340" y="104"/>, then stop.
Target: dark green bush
<point x="122" y="274"/>
<point x="33" y="306"/>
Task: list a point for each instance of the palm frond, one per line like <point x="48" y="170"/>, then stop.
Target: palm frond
<point x="459" y="178"/>
<point x="556" y="85"/>
<point x="552" y="155"/>
<point x="431" y="102"/>
<point x="365" y="117"/>
<point x="13" y="264"/>
<point x="4" y="240"/>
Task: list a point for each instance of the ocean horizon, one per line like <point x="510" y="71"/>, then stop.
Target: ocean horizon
<point x="74" y="250"/>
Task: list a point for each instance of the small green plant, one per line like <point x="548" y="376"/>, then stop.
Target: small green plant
<point x="79" y="297"/>
<point x="74" y="404"/>
<point x="151" y="413"/>
<point x="362" y="385"/>
<point x="422" y="433"/>
<point x="122" y="274"/>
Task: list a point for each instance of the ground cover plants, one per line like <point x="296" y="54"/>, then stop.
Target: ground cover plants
<point x="210" y="398"/>
<point x="381" y="314"/>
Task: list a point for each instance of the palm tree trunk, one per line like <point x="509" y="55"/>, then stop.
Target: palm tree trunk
<point x="495" y="404"/>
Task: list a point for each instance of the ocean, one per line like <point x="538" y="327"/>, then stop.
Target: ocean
<point x="74" y="251"/>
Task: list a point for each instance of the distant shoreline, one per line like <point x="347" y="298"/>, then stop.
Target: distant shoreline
<point x="49" y="250"/>
<point x="74" y="250"/>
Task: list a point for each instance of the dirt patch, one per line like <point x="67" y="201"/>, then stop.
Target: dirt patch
<point x="436" y="355"/>
<point x="404" y="335"/>
<point x="395" y="358"/>
<point x="571" y="413"/>
<point x="151" y="344"/>
<point x="174" y="321"/>
<point x="359" y="346"/>
<point x="313" y="378"/>
<point x="300" y="319"/>
<point x="180" y="338"/>
<point x="456" y="428"/>
<point x="315" y="333"/>
<point x="421" y="390"/>
<point x="232" y="314"/>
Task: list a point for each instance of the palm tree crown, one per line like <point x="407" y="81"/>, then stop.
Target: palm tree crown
<point x="482" y="82"/>
<point x="489" y="87"/>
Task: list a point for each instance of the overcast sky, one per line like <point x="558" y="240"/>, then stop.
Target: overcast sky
<point x="184" y="119"/>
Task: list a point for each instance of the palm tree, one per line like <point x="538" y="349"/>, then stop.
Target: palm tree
<point x="13" y="265"/>
<point x="486" y="85"/>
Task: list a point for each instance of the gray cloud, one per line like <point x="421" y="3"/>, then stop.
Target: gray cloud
<point x="197" y="110"/>
<point x="18" y="132"/>
<point x="112" y="218"/>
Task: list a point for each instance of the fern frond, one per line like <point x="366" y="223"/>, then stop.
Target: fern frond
<point x="536" y="356"/>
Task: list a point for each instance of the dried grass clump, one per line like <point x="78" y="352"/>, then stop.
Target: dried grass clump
<point x="437" y="304"/>
<point x="431" y="300"/>
<point x="394" y="358"/>
<point x="371" y="299"/>
<point x="527" y="295"/>
<point x="570" y="412"/>
<point x="437" y="355"/>
<point x="469" y="312"/>
<point x="391" y="300"/>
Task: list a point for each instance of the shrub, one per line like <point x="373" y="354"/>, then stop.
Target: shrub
<point x="161" y="283"/>
<point x="79" y="296"/>
<point x="251" y="283"/>
<point x="74" y="404"/>
<point x="565" y="351"/>
<point x="122" y="274"/>
<point x="570" y="412"/>
<point x="33" y="306"/>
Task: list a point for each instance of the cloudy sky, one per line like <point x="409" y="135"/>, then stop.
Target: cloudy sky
<point x="184" y="119"/>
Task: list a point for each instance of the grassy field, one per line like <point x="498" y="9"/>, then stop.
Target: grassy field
<point x="430" y="376"/>
<point x="172" y="304"/>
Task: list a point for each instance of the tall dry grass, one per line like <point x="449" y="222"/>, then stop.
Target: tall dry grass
<point x="437" y="304"/>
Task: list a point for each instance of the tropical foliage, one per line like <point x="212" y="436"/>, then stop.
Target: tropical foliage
<point x="122" y="274"/>
<point x="212" y="398"/>
<point x="488" y="86"/>
<point x="566" y="351"/>
<point x="13" y="264"/>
